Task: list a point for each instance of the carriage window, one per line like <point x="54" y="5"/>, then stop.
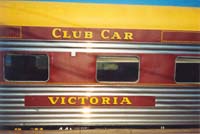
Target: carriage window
<point x="117" y="69"/>
<point x="187" y="69"/>
<point x="19" y="67"/>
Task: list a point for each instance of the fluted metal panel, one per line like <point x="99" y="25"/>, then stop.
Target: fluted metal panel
<point x="99" y="47"/>
<point x="174" y="106"/>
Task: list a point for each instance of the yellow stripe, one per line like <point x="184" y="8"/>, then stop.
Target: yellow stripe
<point x="99" y="15"/>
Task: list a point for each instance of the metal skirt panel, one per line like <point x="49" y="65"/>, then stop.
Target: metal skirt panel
<point x="174" y="106"/>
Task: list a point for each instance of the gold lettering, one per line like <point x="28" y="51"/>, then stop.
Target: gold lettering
<point x="89" y="100"/>
<point x="125" y="100"/>
<point x="56" y="33"/>
<point x="128" y="36"/>
<point x="94" y="100"/>
<point x="72" y="100"/>
<point x="63" y="100"/>
<point x="53" y="100"/>
<point x="88" y="35"/>
<point x="82" y="99"/>
<point x="115" y="100"/>
<point x="105" y="34"/>
<point x="66" y="35"/>
<point x="116" y="36"/>
<point x="76" y="34"/>
<point x="105" y="100"/>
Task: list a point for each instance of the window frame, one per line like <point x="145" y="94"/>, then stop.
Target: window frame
<point x="121" y="82"/>
<point x="186" y="57"/>
<point x="21" y="54"/>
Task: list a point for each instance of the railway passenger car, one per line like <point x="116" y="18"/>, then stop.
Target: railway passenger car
<point x="99" y="63"/>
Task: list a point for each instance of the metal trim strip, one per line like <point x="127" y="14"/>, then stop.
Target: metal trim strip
<point x="89" y="50"/>
<point x="59" y="44"/>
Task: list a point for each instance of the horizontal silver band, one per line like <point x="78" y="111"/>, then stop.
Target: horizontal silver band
<point x="99" y="47"/>
<point x="174" y="106"/>
<point x="97" y="122"/>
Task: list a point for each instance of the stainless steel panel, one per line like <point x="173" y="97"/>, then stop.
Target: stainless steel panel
<point x="91" y="50"/>
<point x="99" y="47"/>
<point x="174" y="106"/>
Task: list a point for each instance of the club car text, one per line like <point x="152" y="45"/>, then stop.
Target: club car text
<point x="104" y="34"/>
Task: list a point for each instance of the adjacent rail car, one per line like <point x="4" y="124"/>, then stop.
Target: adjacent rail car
<point x="99" y="63"/>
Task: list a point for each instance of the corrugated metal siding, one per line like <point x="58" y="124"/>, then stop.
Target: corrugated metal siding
<point x="174" y="106"/>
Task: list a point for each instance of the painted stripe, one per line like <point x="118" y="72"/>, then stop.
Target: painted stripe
<point x="188" y="3"/>
<point x="98" y="34"/>
<point x="99" y="16"/>
<point x="177" y="36"/>
<point x="92" y="101"/>
<point x="10" y="32"/>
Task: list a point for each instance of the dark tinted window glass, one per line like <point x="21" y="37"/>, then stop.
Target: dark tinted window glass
<point x="117" y="69"/>
<point x="187" y="69"/>
<point x="26" y="67"/>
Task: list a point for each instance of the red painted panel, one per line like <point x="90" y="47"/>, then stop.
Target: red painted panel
<point x="67" y="101"/>
<point x="1" y="66"/>
<point x="157" y="68"/>
<point x="77" y="69"/>
<point x="81" y="69"/>
<point x="98" y="34"/>
<point x="177" y="36"/>
<point x="10" y="32"/>
<point x="45" y="33"/>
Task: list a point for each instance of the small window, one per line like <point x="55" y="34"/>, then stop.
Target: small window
<point x="19" y="67"/>
<point x="117" y="69"/>
<point x="187" y="69"/>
